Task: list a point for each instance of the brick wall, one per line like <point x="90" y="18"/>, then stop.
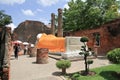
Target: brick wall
<point x="109" y="36"/>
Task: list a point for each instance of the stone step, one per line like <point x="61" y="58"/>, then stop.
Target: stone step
<point x="59" y="57"/>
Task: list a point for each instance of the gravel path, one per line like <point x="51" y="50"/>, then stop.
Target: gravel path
<point x="25" y="68"/>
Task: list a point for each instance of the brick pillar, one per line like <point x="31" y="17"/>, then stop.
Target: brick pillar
<point x="7" y="75"/>
<point x="42" y="56"/>
<point x="8" y="48"/>
<point x="53" y="23"/>
<point x="32" y="51"/>
<point x="60" y="29"/>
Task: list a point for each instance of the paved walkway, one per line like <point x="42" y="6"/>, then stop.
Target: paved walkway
<point x="25" y="68"/>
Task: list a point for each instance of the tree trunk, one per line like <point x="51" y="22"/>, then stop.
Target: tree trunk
<point x="63" y="70"/>
<point x="86" y="68"/>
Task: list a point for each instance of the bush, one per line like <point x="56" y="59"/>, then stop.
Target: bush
<point x="90" y="61"/>
<point x="84" y="39"/>
<point x="114" y="55"/>
<point x="63" y="64"/>
<point x="75" y="76"/>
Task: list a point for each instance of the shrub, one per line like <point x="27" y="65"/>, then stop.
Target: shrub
<point x="84" y="39"/>
<point x="63" y="64"/>
<point x="114" y="55"/>
<point x="90" y="61"/>
<point x="86" y="53"/>
<point x="75" y="76"/>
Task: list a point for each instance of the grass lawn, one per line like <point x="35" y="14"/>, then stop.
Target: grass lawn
<point x="102" y="73"/>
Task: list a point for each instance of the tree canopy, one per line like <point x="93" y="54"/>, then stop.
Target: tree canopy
<point x="4" y="18"/>
<point x="86" y="14"/>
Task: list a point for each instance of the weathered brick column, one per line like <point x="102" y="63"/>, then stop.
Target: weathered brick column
<point x="60" y="29"/>
<point x="32" y="52"/>
<point x="42" y="56"/>
<point x="5" y="72"/>
<point x="53" y="23"/>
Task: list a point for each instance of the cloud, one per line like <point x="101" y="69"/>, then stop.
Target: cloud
<point x="11" y="2"/>
<point x="67" y="0"/>
<point x="83" y="0"/>
<point x="12" y="26"/>
<point x="44" y="20"/>
<point x="47" y="2"/>
<point x="66" y="6"/>
<point x="39" y="10"/>
<point x="28" y="12"/>
<point x="75" y="0"/>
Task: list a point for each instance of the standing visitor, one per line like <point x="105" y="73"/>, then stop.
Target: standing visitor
<point x="16" y="50"/>
<point x="25" y="49"/>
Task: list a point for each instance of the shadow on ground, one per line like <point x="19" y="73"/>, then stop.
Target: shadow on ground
<point x="57" y="73"/>
<point x="109" y="75"/>
<point x="34" y="62"/>
<point x="12" y="58"/>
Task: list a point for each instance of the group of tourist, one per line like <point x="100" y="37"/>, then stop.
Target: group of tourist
<point x="17" y="48"/>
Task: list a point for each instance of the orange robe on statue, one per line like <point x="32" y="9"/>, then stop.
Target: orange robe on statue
<point x="53" y="43"/>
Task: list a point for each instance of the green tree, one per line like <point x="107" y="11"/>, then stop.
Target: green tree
<point x="4" y="18"/>
<point x="89" y="13"/>
<point x="86" y="53"/>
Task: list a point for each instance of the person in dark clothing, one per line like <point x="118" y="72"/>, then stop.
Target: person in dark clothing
<point x="16" y="50"/>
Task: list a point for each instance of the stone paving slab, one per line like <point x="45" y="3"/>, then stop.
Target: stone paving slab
<point x="49" y="78"/>
<point x="25" y="68"/>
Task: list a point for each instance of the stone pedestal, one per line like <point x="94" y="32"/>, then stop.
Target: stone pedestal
<point x="32" y="52"/>
<point x="73" y="47"/>
<point x="42" y="56"/>
<point x="73" y="44"/>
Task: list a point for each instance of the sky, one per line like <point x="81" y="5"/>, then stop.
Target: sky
<point x="37" y="10"/>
